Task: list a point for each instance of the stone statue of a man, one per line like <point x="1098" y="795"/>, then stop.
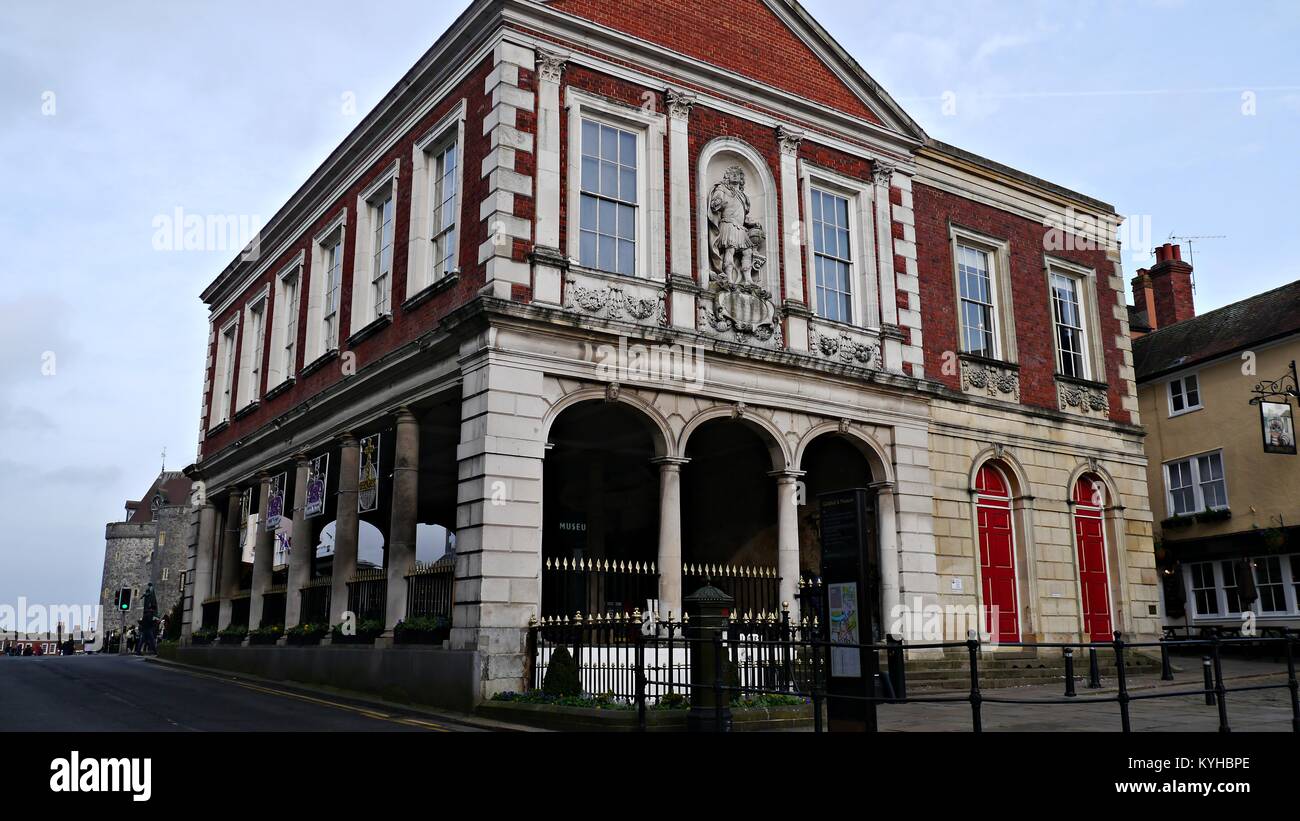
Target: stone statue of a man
<point x="734" y="240"/>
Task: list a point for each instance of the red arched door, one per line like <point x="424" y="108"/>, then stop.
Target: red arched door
<point x="997" y="555"/>
<point x="1090" y="536"/>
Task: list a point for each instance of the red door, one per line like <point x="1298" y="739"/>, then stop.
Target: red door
<point x="1089" y="496"/>
<point x="997" y="555"/>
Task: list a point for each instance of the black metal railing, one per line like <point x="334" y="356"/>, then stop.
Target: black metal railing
<point x="239" y="607"/>
<point x="429" y="589"/>
<point x="756" y="589"/>
<point x="367" y="594"/>
<point x="640" y="661"/>
<point x="315" y="605"/>
<point x="572" y="586"/>
<point x="210" y="615"/>
<point x="273" y="606"/>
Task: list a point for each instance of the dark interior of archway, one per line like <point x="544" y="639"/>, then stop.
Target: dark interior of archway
<point x="600" y="488"/>
<point x="830" y="463"/>
<point x="728" y="499"/>
<point x="439" y="436"/>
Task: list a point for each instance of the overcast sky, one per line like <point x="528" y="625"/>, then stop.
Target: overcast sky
<point x="112" y="115"/>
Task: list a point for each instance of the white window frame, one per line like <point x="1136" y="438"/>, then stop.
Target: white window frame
<point x="998" y="252"/>
<point x="364" y="274"/>
<point x="862" y="239"/>
<point x="252" y="357"/>
<point x="420" y="273"/>
<point x="318" y="287"/>
<point x="223" y="374"/>
<point x="1197" y="482"/>
<point x="1289" y="567"/>
<point x="1094" y="364"/>
<point x="1181" y="381"/>
<point x="284" y="312"/>
<point x="650" y="129"/>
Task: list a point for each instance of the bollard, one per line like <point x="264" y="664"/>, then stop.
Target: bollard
<point x="1291" y="682"/>
<point x="897" y="668"/>
<point x="1166" y="669"/>
<point x="1209" y="681"/>
<point x="1069" y="673"/>
<point x="972" y="648"/>
<point x="1121" y="677"/>
<point x="1220" y="693"/>
<point x="708" y="609"/>
<point x="1094" y="672"/>
<point x="640" y="675"/>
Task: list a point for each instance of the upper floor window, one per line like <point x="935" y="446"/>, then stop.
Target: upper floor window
<point x="608" y="221"/>
<point x="433" y="251"/>
<point x="832" y="256"/>
<point x="289" y="325"/>
<point x="333" y="287"/>
<point x="225" y="376"/>
<point x="282" y="364"/>
<point x="1068" y="321"/>
<point x="1184" y="394"/>
<point x="1196" y="484"/>
<point x="372" y="271"/>
<point x="978" y="307"/>
<point x="444" y="173"/>
<point x="382" y="249"/>
<point x="254" y="350"/>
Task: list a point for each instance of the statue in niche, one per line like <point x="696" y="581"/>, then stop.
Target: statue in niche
<point x="735" y="241"/>
<point x="742" y="306"/>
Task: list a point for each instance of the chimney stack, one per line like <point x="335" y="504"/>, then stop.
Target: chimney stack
<point x="1170" y="288"/>
<point x="1144" y="297"/>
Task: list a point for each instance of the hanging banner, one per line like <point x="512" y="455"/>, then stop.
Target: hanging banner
<point x="317" y="473"/>
<point x="1278" y="427"/>
<point x="368" y="478"/>
<point x="275" y="502"/>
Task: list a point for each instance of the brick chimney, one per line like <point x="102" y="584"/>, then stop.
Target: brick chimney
<point x="1144" y="296"/>
<point x="1171" y="287"/>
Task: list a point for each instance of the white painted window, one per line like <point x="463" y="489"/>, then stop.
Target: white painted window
<point x="225" y="376"/>
<point x="979" y="332"/>
<point x="1196" y="484"/>
<point x="1184" y="394"/>
<point x="444" y="171"/>
<point x="372" y="273"/>
<point x="1268" y="581"/>
<point x="610" y="197"/>
<point x="253" y="350"/>
<point x="289" y="324"/>
<point x="333" y="287"/>
<point x="833" y="272"/>
<point x="282" y="364"/>
<point x="1205" y="590"/>
<point x="1068" y="321"/>
<point x="437" y="178"/>
<point x="381" y="270"/>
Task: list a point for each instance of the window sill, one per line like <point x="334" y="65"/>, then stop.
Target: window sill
<point x="220" y="427"/>
<point x="1185" y="411"/>
<point x="248" y="410"/>
<point x="1087" y="383"/>
<point x="427" y="293"/>
<point x="279" y="389"/>
<point x="319" y="362"/>
<point x="844" y="326"/>
<point x="370" y="330"/>
<point x="984" y="360"/>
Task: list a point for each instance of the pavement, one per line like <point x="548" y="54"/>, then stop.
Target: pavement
<point x="110" y="693"/>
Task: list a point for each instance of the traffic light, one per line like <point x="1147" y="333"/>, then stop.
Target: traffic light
<point x="124" y="599"/>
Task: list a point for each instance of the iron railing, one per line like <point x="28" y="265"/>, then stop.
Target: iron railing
<point x="367" y="594"/>
<point x="597" y="586"/>
<point x="756" y="589"/>
<point x="315" y="605"/>
<point x="429" y="588"/>
<point x="239" y="607"/>
<point x="273" y="605"/>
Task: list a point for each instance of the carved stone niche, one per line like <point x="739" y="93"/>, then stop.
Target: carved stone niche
<point x="1086" y="398"/>
<point x="741" y="240"/>
<point x="996" y="380"/>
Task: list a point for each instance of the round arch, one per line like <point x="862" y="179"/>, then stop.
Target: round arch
<point x="1011" y="466"/>
<point x="1108" y="481"/>
<point x="659" y="431"/>
<point x="875" y="454"/>
<point x="766" y="431"/>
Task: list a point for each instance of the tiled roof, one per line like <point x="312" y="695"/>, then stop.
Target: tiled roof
<point x="1261" y="318"/>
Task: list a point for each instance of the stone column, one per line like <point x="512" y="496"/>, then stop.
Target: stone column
<point x="201" y="584"/>
<point x="263" y="556"/>
<point x="549" y="264"/>
<point x="406" y="514"/>
<point x="787" y="536"/>
<point x="231" y="557"/>
<point x="887" y="530"/>
<point x="346" y="526"/>
<point x="300" y="545"/>
<point x="891" y="338"/>
<point x="797" y="323"/>
<point x="669" y="562"/>
<point x="679" y="203"/>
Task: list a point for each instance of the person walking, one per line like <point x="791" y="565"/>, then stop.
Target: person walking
<point x="149" y="624"/>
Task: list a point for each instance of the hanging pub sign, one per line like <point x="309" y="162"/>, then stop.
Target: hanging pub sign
<point x="275" y="502"/>
<point x="368" y="478"/>
<point x="1278" y="427"/>
<point x="317" y="472"/>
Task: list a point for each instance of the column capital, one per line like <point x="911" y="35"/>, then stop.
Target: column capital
<point x="301" y="458"/>
<point x="680" y="103"/>
<point x="550" y="65"/>
<point x="789" y="139"/>
<point x="347" y="439"/>
<point x="404" y="414"/>
<point x="791" y="475"/>
<point x="882" y="173"/>
<point x="670" y="461"/>
<point x="884" y="487"/>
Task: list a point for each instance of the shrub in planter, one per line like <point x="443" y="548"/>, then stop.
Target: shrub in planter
<point x="1176" y="522"/>
<point x="422" y="630"/>
<point x="562" y="675"/>
<point x="304" y="634"/>
<point x="265" y="635"/>
<point x="367" y="630"/>
<point x="204" y="636"/>
<point x="234" y="634"/>
<point x="1221" y="514"/>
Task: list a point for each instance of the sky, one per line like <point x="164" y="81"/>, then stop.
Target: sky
<point x="1183" y="115"/>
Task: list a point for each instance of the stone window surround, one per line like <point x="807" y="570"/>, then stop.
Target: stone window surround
<point x="315" y="340"/>
<point x="651" y="129"/>
<point x="222" y="380"/>
<point x="863" y="275"/>
<point x="274" y="376"/>
<point x="1004" y="321"/>
<point x="449" y="130"/>
<point x="1094" y="351"/>
<point x="363" y="255"/>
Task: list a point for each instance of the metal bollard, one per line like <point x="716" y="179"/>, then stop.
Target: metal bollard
<point x="897" y="668"/>
<point x="1166" y="669"/>
<point x="973" y="648"/>
<point x="1121" y="678"/>
<point x="1069" y="673"/>
<point x="1206" y="665"/>
<point x="1094" y="672"/>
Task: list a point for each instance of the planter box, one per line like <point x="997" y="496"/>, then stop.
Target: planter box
<point x="590" y="719"/>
